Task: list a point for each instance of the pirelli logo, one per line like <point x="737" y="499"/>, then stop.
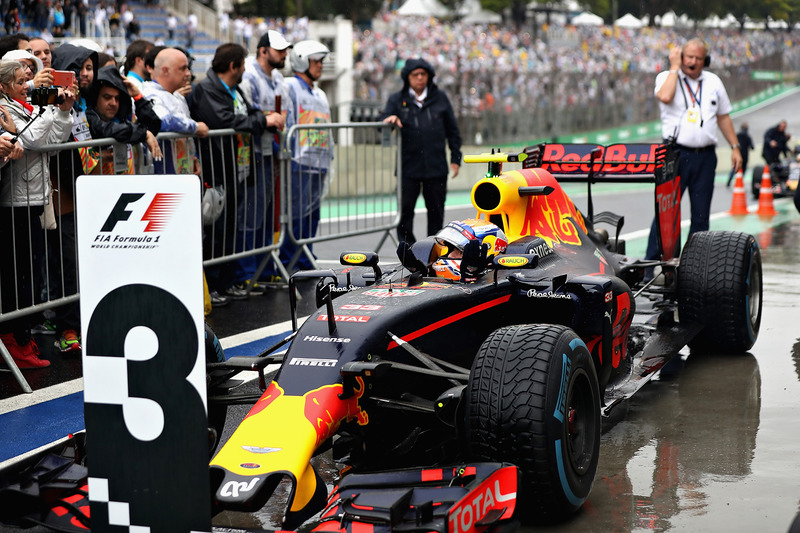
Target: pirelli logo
<point x="310" y="361"/>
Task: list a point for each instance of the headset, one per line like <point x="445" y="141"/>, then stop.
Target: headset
<point x="706" y="61"/>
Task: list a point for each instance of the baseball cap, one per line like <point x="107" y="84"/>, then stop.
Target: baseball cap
<point x="275" y="40"/>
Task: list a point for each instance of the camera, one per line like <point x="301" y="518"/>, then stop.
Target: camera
<point x="42" y="96"/>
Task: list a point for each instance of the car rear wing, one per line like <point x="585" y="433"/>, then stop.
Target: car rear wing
<point x="615" y="163"/>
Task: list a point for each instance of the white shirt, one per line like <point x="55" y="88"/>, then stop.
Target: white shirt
<point x="694" y="109"/>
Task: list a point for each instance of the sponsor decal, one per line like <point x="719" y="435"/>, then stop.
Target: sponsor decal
<point x="497" y="492"/>
<point x="233" y="488"/>
<point x="541" y="249"/>
<point x="250" y="465"/>
<point x="393" y="293"/>
<point x="561" y="408"/>
<point x="360" y="307"/>
<point x="614" y="159"/>
<point x="157" y="215"/>
<point x="513" y="261"/>
<point x="325" y="409"/>
<point x="344" y="318"/>
<point x="317" y="338"/>
<point x="533" y="293"/>
<point x="311" y="361"/>
<point x="258" y="449"/>
<point x="333" y="288"/>
<point x="354" y="259"/>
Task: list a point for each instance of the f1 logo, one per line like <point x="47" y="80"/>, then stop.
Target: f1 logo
<point x="157" y="214"/>
<point x="119" y="213"/>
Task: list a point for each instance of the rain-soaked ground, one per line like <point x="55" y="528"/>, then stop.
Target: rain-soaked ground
<point x="709" y="445"/>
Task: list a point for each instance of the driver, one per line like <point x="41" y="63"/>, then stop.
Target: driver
<point x="453" y="237"/>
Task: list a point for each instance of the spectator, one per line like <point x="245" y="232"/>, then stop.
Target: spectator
<point x="312" y="151"/>
<point x="41" y="49"/>
<point x="17" y="41"/>
<point x="745" y="145"/>
<point x="70" y="164"/>
<point x="261" y="83"/>
<point x="775" y="143"/>
<point x="134" y="61"/>
<point x="42" y="77"/>
<point x="100" y="18"/>
<point x="59" y="20"/>
<point x="191" y="29"/>
<point x="426" y="121"/>
<point x="170" y="73"/>
<point x="11" y="20"/>
<point x="108" y="112"/>
<point x="247" y="33"/>
<point x="150" y="60"/>
<point x="41" y="12"/>
<point x="172" y="25"/>
<point x="29" y="62"/>
<point x="24" y="191"/>
<point x="105" y="60"/>
<point x="218" y="102"/>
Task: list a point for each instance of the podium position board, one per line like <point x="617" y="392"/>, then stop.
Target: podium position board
<point x="141" y="285"/>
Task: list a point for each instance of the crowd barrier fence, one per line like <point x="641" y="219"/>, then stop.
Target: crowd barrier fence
<point x="358" y="195"/>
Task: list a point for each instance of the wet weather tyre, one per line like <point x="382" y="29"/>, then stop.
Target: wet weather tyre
<point x="533" y="400"/>
<point x="719" y="288"/>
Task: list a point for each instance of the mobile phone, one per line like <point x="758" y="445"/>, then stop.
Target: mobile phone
<point x="63" y="78"/>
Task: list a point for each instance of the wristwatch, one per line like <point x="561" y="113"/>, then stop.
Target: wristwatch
<point x="673" y="71"/>
<point x="734" y="146"/>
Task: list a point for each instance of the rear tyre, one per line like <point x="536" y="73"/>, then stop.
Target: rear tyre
<point x="719" y="287"/>
<point x="533" y="400"/>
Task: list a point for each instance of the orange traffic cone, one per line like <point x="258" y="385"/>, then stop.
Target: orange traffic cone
<point x="765" y="205"/>
<point x="739" y="201"/>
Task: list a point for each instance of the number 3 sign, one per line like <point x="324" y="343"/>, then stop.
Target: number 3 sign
<point x="144" y="377"/>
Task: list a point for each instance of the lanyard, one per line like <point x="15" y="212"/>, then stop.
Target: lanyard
<point x="695" y="96"/>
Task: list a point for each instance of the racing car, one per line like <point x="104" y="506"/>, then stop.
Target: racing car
<point x="784" y="175"/>
<point x="465" y="385"/>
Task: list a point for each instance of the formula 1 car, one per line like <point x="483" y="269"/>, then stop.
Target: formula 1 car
<point x="784" y="176"/>
<point x="430" y="379"/>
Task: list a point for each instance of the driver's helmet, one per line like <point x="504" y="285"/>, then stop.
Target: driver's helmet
<point x="453" y="237"/>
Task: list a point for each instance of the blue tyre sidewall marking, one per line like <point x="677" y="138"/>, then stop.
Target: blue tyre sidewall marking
<point x="560" y="415"/>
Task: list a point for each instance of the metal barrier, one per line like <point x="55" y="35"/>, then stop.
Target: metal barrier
<point x="359" y="195"/>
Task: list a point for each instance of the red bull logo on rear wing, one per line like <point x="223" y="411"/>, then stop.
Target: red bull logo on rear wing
<point x="616" y="162"/>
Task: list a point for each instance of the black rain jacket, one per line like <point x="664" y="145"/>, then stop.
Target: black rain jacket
<point x="425" y="130"/>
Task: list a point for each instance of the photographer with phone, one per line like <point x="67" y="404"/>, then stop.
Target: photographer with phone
<point x="24" y="191"/>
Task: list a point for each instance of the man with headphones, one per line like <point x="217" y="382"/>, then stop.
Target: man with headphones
<point x="693" y="103"/>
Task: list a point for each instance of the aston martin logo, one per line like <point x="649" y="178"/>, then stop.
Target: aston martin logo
<point x="257" y="449"/>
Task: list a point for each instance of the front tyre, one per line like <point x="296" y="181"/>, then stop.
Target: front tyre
<point x="719" y="287"/>
<point x="533" y="400"/>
